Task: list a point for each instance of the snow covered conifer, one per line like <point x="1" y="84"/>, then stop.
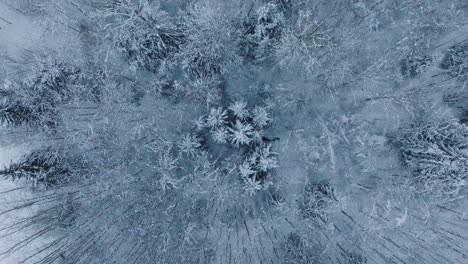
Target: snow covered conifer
<point x="54" y="75"/>
<point x="239" y="109"/>
<point x="263" y="32"/>
<point x="241" y="133"/>
<point x="220" y="135"/>
<point x="252" y="186"/>
<point x="260" y="116"/>
<point x="20" y="105"/>
<point x="246" y="170"/>
<point x="14" y="109"/>
<point x="216" y="118"/>
<point x="34" y="100"/>
<point x="264" y="158"/>
<point x="200" y="123"/>
<point x="189" y="144"/>
<point x="45" y="166"/>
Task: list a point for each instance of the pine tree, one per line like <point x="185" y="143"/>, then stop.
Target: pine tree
<point x="14" y="108"/>
<point x="216" y="118"/>
<point x="262" y="32"/>
<point x="189" y="145"/>
<point x="35" y="100"/>
<point x="239" y="110"/>
<point x="241" y="133"/>
<point x="260" y="117"/>
<point x="49" y="167"/>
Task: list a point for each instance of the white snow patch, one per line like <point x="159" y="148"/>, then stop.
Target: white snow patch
<point x="16" y="31"/>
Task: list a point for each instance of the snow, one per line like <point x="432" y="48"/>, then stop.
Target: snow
<point x="17" y="32"/>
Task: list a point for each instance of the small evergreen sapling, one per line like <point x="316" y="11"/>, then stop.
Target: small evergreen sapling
<point x="189" y="145"/>
<point x="220" y="135"/>
<point x="239" y="110"/>
<point x="256" y="169"/>
<point x="216" y="118"/>
<point x="236" y="125"/>
<point x="241" y="133"/>
<point x="252" y="186"/>
<point x="260" y="117"/>
<point x="263" y="158"/>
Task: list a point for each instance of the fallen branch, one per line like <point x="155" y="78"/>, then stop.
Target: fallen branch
<point x="5" y="20"/>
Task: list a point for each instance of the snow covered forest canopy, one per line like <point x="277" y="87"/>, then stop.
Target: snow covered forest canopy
<point x="240" y="131"/>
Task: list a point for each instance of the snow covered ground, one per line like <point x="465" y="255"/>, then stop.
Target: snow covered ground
<point x="17" y="32"/>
